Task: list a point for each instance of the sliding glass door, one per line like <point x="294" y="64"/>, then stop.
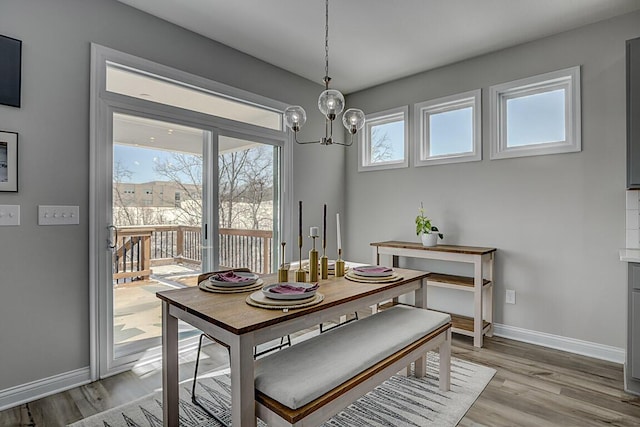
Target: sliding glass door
<point x="186" y="177"/>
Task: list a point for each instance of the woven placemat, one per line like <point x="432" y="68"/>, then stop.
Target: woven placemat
<point x="392" y="279"/>
<point x="206" y="285"/>
<point x="316" y="300"/>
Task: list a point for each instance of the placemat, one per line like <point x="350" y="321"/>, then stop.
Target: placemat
<point x="278" y="304"/>
<point x="394" y="278"/>
<point x="206" y="285"/>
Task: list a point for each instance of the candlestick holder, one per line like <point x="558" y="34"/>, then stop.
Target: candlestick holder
<point x="301" y="275"/>
<point x="313" y="262"/>
<point x="283" y="271"/>
<point x="324" y="262"/>
<point x="339" y="264"/>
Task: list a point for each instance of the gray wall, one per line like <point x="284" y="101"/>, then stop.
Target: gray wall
<point x="44" y="273"/>
<point x="557" y="220"/>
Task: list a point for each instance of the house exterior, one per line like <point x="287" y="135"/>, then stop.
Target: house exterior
<point x="557" y="220"/>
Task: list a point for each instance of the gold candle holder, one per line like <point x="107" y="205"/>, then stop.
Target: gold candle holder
<point x="283" y="271"/>
<point x="324" y="267"/>
<point x="313" y="261"/>
<point x="313" y="265"/>
<point x="301" y="275"/>
<point x="339" y="264"/>
<point x="283" y="275"/>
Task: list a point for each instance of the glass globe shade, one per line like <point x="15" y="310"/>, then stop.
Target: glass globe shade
<point x="295" y="117"/>
<point x="353" y="120"/>
<point x="331" y="103"/>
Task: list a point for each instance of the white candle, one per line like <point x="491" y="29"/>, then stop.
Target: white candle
<point x="314" y="232"/>
<point x="338" y="226"/>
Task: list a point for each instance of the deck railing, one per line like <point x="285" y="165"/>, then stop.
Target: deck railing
<point x="139" y="248"/>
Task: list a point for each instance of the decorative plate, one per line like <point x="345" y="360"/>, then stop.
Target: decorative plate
<point x="372" y="271"/>
<point x="248" y="279"/>
<point x="283" y="296"/>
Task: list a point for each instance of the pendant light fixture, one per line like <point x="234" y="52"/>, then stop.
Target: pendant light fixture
<point x="330" y="103"/>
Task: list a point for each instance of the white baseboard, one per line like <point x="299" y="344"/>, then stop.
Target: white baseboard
<point x="585" y="348"/>
<point x="24" y="393"/>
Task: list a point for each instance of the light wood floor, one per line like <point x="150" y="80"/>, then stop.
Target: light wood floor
<point x="533" y="386"/>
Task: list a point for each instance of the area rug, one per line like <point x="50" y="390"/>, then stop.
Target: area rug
<point x="400" y="401"/>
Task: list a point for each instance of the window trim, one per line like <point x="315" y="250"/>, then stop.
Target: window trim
<point x="454" y="102"/>
<point x="364" y="145"/>
<point x="567" y="79"/>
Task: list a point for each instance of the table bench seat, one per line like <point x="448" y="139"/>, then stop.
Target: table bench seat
<point x="308" y="383"/>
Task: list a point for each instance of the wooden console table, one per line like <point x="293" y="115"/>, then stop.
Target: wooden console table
<point x="481" y="284"/>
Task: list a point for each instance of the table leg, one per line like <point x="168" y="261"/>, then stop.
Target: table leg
<point x="242" y="382"/>
<point x="169" y="367"/>
<point x="477" y="297"/>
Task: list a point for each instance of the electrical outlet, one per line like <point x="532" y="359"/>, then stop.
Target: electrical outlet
<point x="510" y="297"/>
<point x="58" y="215"/>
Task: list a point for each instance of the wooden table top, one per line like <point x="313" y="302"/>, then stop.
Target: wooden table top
<point x="231" y="312"/>
<point x="472" y="250"/>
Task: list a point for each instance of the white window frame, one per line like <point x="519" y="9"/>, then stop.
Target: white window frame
<point x="422" y="112"/>
<point x="364" y="147"/>
<point x="567" y="79"/>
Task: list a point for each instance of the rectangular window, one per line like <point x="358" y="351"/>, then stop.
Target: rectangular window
<point x="537" y="115"/>
<point x="384" y="142"/>
<point x="449" y="129"/>
<point x="138" y="84"/>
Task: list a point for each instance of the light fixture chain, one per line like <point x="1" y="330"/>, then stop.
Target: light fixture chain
<point x="326" y="44"/>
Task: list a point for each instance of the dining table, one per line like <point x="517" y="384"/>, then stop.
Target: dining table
<point x="231" y="320"/>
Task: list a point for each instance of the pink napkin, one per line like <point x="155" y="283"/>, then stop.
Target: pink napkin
<point x="292" y="289"/>
<point x="230" y="276"/>
<point x="379" y="269"/>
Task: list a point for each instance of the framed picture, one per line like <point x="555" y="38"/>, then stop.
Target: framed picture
<point x="10" y="70"/>
<point x="8" y="161"/>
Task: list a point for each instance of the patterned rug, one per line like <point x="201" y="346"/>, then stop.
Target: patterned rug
<point x="399" y="401"/>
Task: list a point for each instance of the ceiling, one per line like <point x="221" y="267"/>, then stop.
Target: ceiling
<point x="375" y="41"/>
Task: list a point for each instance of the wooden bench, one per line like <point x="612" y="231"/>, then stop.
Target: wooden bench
<point x="308" y="383"/>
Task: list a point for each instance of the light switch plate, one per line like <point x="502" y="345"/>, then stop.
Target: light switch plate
<point x="9" y="214"/>
<point x="58" y="215"/>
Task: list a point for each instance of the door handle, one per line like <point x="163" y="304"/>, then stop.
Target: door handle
<point x="113" y="232"/>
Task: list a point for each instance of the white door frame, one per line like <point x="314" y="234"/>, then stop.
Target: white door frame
<point x="102" y="106"/>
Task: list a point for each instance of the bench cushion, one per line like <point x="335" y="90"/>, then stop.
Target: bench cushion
<point x="299" y="374"/>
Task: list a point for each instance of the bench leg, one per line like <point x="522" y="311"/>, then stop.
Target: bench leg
<point x="420" y="366"/>
<point x="445" y="363"/>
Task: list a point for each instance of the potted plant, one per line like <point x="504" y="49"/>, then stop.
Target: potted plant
<point x="427" y="232"/>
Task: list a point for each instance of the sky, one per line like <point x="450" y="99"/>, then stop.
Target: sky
<point x="139" y="161"/>
<point x="531" y="119"/>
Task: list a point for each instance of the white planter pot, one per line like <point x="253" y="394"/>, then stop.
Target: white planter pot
<point x="430" y="239"/>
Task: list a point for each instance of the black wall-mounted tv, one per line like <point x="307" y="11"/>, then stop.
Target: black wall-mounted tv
<point x="10" y="70"/>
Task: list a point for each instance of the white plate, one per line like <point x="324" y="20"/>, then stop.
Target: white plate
<point x="365" y="273"/>
<point x="253" y="278"/>
<point x="273" y="295"/>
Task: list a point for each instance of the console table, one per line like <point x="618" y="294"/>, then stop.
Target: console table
<point x="481" y="284"/>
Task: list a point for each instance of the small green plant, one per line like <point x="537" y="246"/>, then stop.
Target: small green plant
<point x="423" y="224"/>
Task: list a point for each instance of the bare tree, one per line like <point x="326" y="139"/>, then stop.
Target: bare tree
<point x="381" y="149"/>
<point x="184" y="171"/>
<point x="259" y="185"/>
<point x="122" y="214"/>
<point x="230" y="189"/>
